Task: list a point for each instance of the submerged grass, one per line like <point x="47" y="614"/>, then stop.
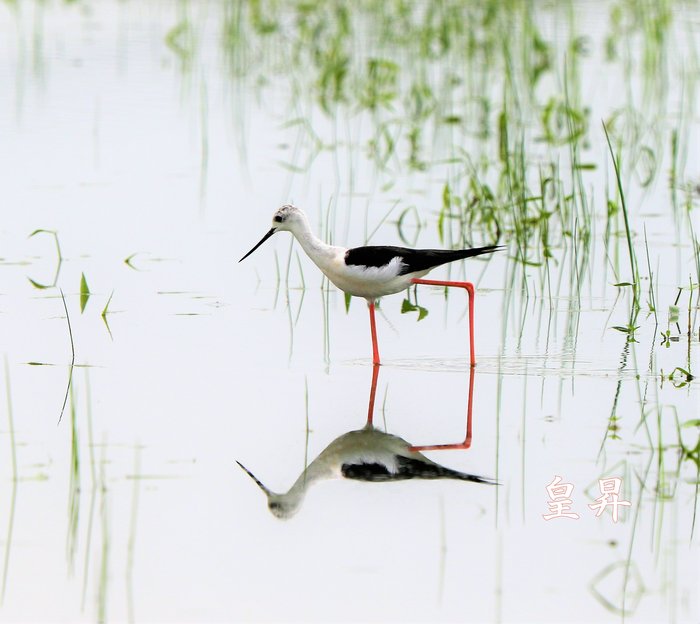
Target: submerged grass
<point x="93" y="487"/>
<point x="103" y="572"/>
<point x="15" y="476"/>
<point x="72" y="361"/>
<point x="74" y="486"/>
<point x="131" y="543"/>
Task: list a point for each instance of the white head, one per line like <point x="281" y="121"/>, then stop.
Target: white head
<point x="286" y="218"/>
<point x="282" y="506"/>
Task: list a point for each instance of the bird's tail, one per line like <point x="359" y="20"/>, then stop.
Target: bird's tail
<point x="448" y="473"/>
<point x="463" y="476"/>
<point x="431" y="258"/>
<point x="413" y="467"/>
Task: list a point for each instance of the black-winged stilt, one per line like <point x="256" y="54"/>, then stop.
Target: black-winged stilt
<point x="374" y="271"/>
<point x="370" y="455"/>
<point x="364" y="455"/>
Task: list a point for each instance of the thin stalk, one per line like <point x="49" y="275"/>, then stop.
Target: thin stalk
<point x="131" y="544"/>
<point x="652" y="298"/>
<point x="633" y="263"/>
<point x="72" y="359"/>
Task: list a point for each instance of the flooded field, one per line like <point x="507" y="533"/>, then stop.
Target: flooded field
<point x="144" y="149"/>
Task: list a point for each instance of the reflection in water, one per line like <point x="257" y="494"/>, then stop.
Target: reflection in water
<point x="368" y="454"/>
<point x="59" y="261"/>
<point x="13" y="493"/>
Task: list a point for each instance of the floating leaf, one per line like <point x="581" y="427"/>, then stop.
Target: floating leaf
<point x="561" y="123"/>
<point x="40" y="231"/>
<point x="695" y="422"/>
<point x="624" y="284"/>
<point x="105" y="311"/>
<point x="411" y="210"/>
<point x="407" y="306"/>
<point x="128" y="261"/>
<point x="682" y="372"/>
<point x="53" y="234"/>
<point x="37" y="284"/>
<point x="646" y="165"/>
<point x="179" y="40"/>
<point x="84" y="292"/>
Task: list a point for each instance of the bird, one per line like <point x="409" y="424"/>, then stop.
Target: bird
<point x="371" y="455"/>
<point x="373" y="271"/>
<point x="366" y="454"/>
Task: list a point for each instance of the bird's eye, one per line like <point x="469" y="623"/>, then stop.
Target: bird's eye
<point x="277" y="219"/>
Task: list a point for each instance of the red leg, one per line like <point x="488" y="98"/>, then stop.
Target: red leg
<point x="372" y="394"/>
<point x="469" y="287"/>
<point x="468" y="438"/>
<point x="373" y="326"/>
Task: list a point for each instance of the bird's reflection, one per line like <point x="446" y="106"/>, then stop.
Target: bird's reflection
<point x="368" y="454"/>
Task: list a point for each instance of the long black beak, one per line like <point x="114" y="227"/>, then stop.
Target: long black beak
<point x="254" y="478"/>
<point x="264" y="238"/>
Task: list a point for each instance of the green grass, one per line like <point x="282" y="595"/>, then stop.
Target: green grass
<point x="104" y="314"/>
<point x="84" y="293"/>
<point x="634" y="274"/>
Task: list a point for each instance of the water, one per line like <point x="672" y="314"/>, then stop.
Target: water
<point x="166" y="135"/>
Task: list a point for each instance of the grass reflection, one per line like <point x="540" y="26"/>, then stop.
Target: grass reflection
<point x="15" y="477"/>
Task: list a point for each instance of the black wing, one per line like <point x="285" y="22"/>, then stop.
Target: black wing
<point x="412" y="260"/>
<point x="369" y="472"/>
<point x="408" y="468"/>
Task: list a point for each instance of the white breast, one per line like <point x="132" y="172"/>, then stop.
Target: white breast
<point x="367" y="282"/>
